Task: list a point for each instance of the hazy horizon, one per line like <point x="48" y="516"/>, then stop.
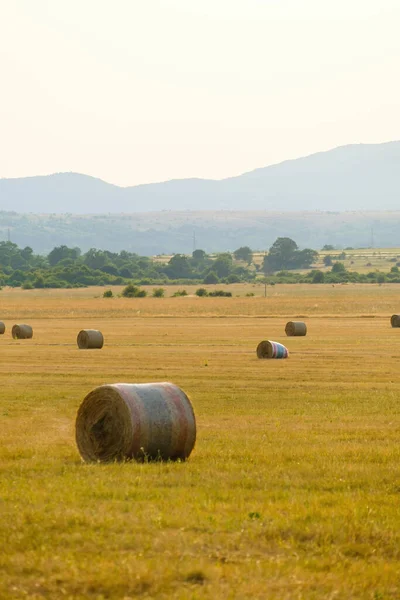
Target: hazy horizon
<point x="135" y="93"/>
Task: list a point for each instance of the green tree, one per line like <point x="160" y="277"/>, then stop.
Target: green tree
<point x="338" y="267"/>
<point x="318" y="277"/>
<point x="179" y="267"/>
<point x="244" y="253"/>
<point x="222" y="265"/>
<point x="60" y="252"/>
<point x="280" y="255"/>
<point x="199" y="256"/>
<point x="211" y="277"/>
<point x="95" y="259"/>
<point x="327" y="260"/>
<point x="303" y="259"/>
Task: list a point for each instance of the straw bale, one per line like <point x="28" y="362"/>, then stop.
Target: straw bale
<point x="395" y="320"/>
<point x="295" y="328"/>
<point x="270" y="349"/>
<point x="143" y="421"/>
<point x="22" y="332"/>
<point x="89" y="339"/>
<point x="2" y="327"/>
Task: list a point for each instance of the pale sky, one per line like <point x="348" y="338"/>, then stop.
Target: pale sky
<point x="138" y="91"/>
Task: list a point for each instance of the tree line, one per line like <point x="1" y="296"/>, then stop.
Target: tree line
<point x="69" y="267"/>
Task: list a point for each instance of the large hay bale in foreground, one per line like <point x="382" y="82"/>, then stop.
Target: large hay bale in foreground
<point x="269" y="349"/>
<point x="89" y="339"/>
<point x="2" y="327"/>
<point x="395" y="320"/>
<point x="22" y="332"/>
<point x="295" y="328"/>
<point x="141" y="421"/>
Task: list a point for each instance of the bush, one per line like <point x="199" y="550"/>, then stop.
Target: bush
<point x="108" y="294"/>
<point x="201" y="292"/>
<point x="133" y="291"/>
<point x="179" y="293"/>
<point x="220" y="293"/>
<point x="318" y="277"/>
<point x="158" y="293"/>
<point x="27" y="286"/>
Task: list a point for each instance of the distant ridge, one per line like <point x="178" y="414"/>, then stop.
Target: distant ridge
<point x="355" y="177"/>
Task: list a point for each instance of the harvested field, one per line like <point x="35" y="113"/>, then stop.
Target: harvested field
<point x="291" y="492"/>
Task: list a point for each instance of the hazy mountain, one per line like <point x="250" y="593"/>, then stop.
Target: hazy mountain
<point x="355" y="177"/>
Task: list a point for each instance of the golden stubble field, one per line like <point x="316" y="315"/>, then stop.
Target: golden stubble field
<point x="292" y="490"/>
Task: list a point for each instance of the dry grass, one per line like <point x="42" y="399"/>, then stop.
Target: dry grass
<point x="292" y="490"/>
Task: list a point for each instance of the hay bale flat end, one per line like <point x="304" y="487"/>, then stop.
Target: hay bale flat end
<point x="123" y="421"/>
<point x="395" y="321"/>
<point x="270" y="349"/>
<point x="89" y="339"/>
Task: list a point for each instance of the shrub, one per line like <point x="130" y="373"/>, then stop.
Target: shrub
<point x="179" y="293"/>
<point x="108" y="294"/>
<point x="27" y="286"/>
<point x="158" y="293"/>
<point x="133" y="291"/>
<point x="318" y="277"/>
<point x="220" y="293"/>
<point x="201" y="292"/>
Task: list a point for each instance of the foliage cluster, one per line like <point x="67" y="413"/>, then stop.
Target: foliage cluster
<point x="69" y="267"/>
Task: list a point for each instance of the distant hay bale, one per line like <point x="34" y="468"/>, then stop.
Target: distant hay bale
<point x="22" y="332"/>
<point x="269" y="349"/>
<point x="143" y="421"/>
<point x="395" y="321"/>
<point x="89" y="339"/>
<point x="2" y="327"/>
<point x="296" y="328"/>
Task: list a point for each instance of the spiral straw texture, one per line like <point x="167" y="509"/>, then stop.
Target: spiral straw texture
<point x="269" y="349"/>
<point x="89" y="339"/>
<point x="120" y="421"/>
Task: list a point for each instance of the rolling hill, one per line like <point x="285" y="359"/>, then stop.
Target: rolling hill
<point x="356" y="177"/>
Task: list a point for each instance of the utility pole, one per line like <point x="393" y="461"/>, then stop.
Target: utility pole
<point x="194" y="241"/>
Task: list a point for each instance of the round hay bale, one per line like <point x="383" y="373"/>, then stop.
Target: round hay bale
<point x="269" y="349"/>
<point x="395" y="321"/>
<point x="22" y="332"/>
<point x="89" y="339"/>
<point x="2" y="327"/>
<point x="144" y="421"/>
<point x="296" y="328"/>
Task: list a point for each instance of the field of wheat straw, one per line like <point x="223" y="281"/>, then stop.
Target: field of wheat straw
<point x="292" y="490"/>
